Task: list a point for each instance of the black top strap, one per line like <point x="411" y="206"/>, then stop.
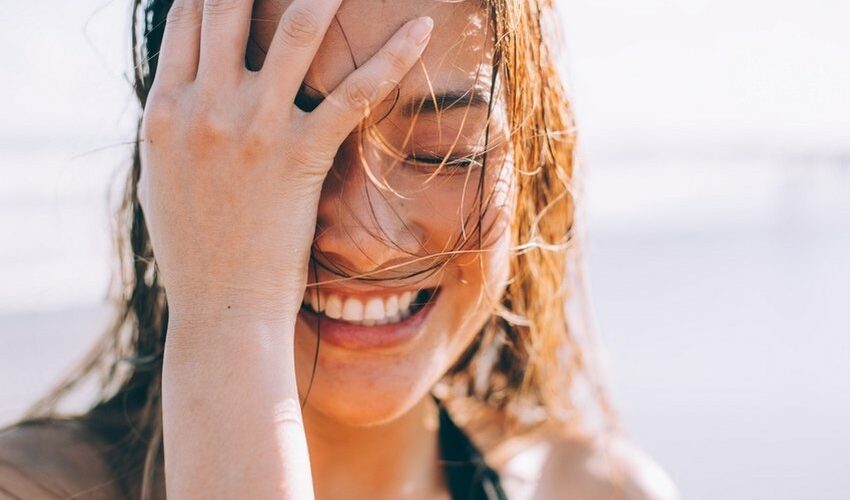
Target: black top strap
<point x="469" y="476"/>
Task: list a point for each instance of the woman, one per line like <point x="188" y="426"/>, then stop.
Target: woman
<point x="365" y="289"/>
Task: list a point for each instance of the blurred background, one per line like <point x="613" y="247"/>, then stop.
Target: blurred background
<point x="716" y="137"/>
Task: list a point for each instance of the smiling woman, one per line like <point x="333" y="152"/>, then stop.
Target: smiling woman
<point x="349" y="225"/>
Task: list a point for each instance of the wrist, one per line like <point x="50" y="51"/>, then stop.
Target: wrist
<point x="232" y="327"/>
<point x="214" y="305"/>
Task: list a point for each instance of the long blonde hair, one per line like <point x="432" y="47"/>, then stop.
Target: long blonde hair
<point x="530" y="355"/>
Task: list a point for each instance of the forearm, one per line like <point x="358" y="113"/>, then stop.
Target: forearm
<point x="231" y="414"/>
<point x="228" y="181"/>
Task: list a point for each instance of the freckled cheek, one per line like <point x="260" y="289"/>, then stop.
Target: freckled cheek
<point x="479" y="277"/>
<point x="498" y="256"/>
<point x="454" y="209"/>
<point x="489" y="269"/>
<point x="478" y="283"/>
<point x="488" y="264"/>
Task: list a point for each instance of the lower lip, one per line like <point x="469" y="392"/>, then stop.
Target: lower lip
<point x="359" y="337"/>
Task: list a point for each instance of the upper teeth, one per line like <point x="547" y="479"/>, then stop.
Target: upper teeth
<point x="368" y="312"/>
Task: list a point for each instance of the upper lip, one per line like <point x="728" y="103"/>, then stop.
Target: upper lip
<point x="372" y="291"/>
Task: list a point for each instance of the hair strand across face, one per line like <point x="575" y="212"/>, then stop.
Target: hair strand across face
<point x="525" y="360"/>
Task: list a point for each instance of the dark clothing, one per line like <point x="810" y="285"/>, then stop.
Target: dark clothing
<point x="469" y="476"/>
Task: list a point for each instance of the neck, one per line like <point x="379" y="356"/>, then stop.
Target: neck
<point x="398" y="459"/>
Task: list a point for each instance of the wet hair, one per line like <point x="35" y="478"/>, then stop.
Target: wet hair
<point x="525" y="364"/>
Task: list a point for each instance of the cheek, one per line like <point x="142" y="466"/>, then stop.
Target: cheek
<point x="484" y="274"/>
<point x="477" y="280"/>
<point x="475" y="288"/>
<point x="466" y="212"/>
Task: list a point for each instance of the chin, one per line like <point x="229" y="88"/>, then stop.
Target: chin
<point x="369" y="375"/>
<point x="365" y="395"/>
<point x="362" y="384"/>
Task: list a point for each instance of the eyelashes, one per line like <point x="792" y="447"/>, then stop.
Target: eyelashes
<point x="451" y="164"/>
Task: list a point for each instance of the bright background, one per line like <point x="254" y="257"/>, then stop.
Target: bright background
<point x="716" y="134"/>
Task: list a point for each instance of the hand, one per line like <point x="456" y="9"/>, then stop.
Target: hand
<point x="231" y="170"/>
<point x="230" y="184"/>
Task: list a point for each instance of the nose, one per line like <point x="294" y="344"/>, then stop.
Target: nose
<point x="361" y="227"/>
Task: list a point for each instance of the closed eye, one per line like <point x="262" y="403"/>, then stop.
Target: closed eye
<point x="450" y="163"/>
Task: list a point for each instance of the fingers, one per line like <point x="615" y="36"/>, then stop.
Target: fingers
<point x="299" y="34"/>
<point x="224" y="37"/>
<point x="349" y="103"/>
<point x="178" y="56"/>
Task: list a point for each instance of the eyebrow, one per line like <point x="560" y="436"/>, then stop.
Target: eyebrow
<point x="309" y="99"/>
<point x="445" y="101"/>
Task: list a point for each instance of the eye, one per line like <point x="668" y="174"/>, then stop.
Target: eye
<point x="450" y="164"/>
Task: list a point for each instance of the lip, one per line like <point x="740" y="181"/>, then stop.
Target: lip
<point x="377" y="337"/>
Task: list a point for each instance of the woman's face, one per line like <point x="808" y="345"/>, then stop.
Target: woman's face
<point x="368" y="372"/>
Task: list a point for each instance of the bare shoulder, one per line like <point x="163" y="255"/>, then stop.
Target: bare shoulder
<point x="556" y="467"/>
<point x="52" y="459"/>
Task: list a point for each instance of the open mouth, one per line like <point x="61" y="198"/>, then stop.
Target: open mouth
<point x="371" y="311"/>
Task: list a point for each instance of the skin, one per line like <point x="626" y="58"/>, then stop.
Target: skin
<point x="343" y="409"/>
<point x="234" y="259"/>
<point x="225" y="166"/>
<point x="423" y="219"/>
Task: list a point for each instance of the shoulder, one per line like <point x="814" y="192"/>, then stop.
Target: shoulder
<point x="52" y="459"/>
<point x="600" y="467"/>
<point x="580" y="467"/>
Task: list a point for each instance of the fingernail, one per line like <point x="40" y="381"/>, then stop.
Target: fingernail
<point x="420" y="30"/>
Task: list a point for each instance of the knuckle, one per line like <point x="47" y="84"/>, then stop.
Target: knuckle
<point x="210" y="128"/>
<point x="221" y="7"/>
<point x="397" y="61"/>
<point x="158" y="117"/>
<point x="306" y="159"/>
<point x="204" y="123"/>
<point x="182" y="12"/>
<point x="299" y="26"/>
<point x="177" y="13"/>
<point x="359" y="92"/>
<point x="257" y="142"/>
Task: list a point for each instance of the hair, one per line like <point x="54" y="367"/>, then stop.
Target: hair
<point x="524" y="364"/>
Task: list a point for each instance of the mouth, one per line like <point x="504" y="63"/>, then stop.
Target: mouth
<point x="368" y="322"/>
<point x="368" y="311"/>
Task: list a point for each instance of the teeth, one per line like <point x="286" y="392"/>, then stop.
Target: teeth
<point x="391" y="305"/>
<point x="333" y="306"/>
<point x="352" y="310"/>
<point x="404" y="300"/>
<point x="375" y="311"/>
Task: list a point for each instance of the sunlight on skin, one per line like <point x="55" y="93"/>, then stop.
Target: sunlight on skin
<point x="359" y="399"/>
<point x="347" y="383"/>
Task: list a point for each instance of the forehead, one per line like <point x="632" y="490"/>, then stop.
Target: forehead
<point x="459" y="55"/>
